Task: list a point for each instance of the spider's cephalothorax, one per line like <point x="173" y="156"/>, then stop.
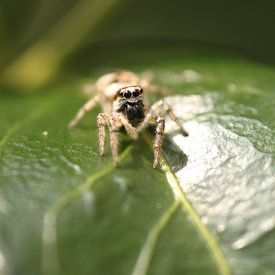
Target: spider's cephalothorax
<point x="124" y="103"/>
<point x="129" y="101"/>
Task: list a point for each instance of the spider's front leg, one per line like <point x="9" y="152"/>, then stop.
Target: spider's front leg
<point x="102" y="119"/>
<point x="161" y="106"/>
<point x="159" y="139"/>
<point x="114" y="130"/>
<point x="114" y="125"/>
<point x="158" y="142"/>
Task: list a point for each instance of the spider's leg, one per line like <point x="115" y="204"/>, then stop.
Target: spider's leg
<point x="164" y="106"/>
<point x="160" y="124"/>
<point x="158" y="89"/>
<point x="131" y="131"/>
<point x="89" y="89"/>
<point x="102" y="119"/>
<point x="114" y="129"/>
<point x="88" y="106"/>
<point x="158" y="142"/>
<point x="146" y="79"/>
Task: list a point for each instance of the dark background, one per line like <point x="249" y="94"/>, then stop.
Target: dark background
<point x="241" y="26"/>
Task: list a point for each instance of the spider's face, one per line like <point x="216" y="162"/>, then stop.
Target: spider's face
<point x="130" y="102"/>
<point x="130" y="94"/>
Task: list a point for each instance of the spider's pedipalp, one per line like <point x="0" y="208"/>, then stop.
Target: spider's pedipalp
<point x="131" y="131"/>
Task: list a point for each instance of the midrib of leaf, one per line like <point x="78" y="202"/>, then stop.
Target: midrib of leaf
<point x="50" y="262"/>
<point x="220" y="261"/>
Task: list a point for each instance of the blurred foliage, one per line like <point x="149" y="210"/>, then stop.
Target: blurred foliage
<point x="36" y="36"/>
<point x="47" y="45"/>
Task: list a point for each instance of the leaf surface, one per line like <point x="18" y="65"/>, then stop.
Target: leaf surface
<point x="66" y="210"/>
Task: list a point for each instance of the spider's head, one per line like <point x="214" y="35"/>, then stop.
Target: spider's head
<point x="130" y="102"/>
<point x="130" y="94"/>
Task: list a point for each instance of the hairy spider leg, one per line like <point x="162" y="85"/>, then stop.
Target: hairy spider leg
<point x="114" y="124"/>
<point x="162" y="105"/>
<point x="102" y="119"/>
<point x="158" y="142"/>
<point x="154" y="119"/>
<point x="114" y="131"/>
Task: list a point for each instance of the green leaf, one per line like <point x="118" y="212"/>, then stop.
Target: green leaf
<point x="66" y="210"/>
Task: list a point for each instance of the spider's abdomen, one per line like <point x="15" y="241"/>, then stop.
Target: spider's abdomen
<point x="134" y="111"/>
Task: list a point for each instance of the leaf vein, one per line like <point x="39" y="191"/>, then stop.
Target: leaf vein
<point x="50" y="263"/>
<point x="146" y="253"/>
<point x="179" y="194"/>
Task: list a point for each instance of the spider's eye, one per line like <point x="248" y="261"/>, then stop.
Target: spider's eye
<point x="136" y="93"/>
<point x="127" y="94"/>
<point x="141" y="91"/>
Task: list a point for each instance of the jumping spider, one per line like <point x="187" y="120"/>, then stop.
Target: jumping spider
<point x="123" y="98"/>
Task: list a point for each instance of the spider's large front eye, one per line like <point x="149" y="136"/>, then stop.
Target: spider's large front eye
<point x="127" y="94"/>
<point x="136" y="93"/>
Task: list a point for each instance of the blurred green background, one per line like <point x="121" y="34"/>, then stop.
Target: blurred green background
<point x="36" y="37"/>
